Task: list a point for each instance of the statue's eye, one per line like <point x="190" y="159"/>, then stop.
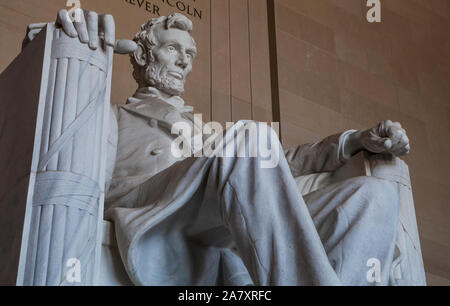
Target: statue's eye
<point x="171" y="49"/>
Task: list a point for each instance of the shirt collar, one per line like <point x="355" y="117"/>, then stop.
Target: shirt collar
<point x="144" y="93"/>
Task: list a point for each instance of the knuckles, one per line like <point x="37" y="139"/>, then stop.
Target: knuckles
<point x="396" y="134"/>
<point x="395" y="130"/>
<point x="91" y="22"/>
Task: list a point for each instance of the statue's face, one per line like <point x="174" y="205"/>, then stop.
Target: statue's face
<point x="173" y="59"/>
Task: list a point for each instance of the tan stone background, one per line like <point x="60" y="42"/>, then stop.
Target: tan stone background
<point x="336" y="72"/>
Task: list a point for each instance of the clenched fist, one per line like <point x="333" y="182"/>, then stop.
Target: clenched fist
<point x="387" y="137"/>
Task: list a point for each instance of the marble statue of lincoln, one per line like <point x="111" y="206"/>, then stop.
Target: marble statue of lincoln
<point x="226" y="220"/>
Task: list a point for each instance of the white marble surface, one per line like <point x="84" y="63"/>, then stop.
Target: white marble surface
<point x="60" y="121"/>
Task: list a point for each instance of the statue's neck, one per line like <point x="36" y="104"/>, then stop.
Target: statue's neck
<point x="151" y="92"/>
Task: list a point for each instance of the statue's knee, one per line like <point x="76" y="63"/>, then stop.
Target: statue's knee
<point x="259" y="137"/>
<point x="255" y="127"/>
<point x="369" y="184"/>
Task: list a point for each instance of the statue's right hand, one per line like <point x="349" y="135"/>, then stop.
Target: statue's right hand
<point x="92" y="28"/>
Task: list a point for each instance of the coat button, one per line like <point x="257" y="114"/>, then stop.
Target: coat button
<point x="153" y="123"/>
<point x="156" y="152"/>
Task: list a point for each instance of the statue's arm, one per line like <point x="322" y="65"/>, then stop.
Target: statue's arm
<point x="324" y="156"/>
<point x="332" y="152"/>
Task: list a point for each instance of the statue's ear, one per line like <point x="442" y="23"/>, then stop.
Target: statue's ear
<point x="140" y="55"/>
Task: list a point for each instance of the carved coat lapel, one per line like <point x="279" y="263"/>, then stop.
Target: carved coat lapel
<point x="166" y="115"/>
<point x="154" y="108"/>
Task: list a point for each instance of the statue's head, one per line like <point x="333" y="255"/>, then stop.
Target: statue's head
<point x="165" y="54"/>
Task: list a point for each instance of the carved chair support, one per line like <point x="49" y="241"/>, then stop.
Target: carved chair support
<point x="63" y="210"/>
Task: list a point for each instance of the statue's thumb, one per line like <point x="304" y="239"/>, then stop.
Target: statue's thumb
<point x="124" y="46"/>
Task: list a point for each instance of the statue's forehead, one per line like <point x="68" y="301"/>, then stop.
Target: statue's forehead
<point x="175" y="35"/>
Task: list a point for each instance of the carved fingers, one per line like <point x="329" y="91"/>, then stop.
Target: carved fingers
<point x="63" y="19"/>
<point x="92" y="28"/>
<point x="107" y="29"/>
<point x="398" y="141"/>
<point x="81" y="28"/>
<point x="387" y="137"/>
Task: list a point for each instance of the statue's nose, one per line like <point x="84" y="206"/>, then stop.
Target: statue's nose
<point x="182" y="61"/>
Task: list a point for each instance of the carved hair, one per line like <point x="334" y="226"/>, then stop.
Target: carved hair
<point x="147" y="39"/>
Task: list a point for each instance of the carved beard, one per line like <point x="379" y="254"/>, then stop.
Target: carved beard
<point x="158" y="77"/>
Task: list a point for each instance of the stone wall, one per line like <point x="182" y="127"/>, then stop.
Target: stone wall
<point x="337" y="71"/>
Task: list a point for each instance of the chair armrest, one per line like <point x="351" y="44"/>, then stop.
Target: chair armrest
<point x="408" y="264"/>
<point x="383" y="166"/>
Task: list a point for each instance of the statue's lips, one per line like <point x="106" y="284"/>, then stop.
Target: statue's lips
<point x="176" y="75"/>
